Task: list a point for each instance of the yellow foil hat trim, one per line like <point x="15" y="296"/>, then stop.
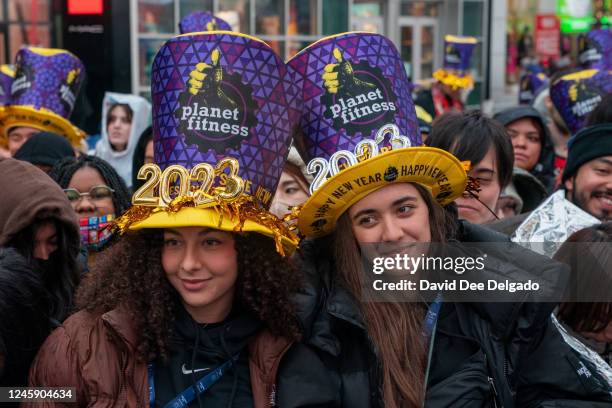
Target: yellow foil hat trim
<point x="244" y="214"/>
<point x="453" y="80"/>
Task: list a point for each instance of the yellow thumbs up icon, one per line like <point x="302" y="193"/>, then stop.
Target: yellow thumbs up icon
<point x="206" y="76"/>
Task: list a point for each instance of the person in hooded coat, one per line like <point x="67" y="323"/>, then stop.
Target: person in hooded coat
<point x="37" y="220"/>
<point x="124" y="118"/>
<point x="531" y="142"/>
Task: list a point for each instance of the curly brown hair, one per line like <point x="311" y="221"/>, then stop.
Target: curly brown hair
<point x="129" y="274"/>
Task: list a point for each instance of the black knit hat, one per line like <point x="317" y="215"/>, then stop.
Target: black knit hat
<point x="588" y="144"/>
<point x="45" y="148"/>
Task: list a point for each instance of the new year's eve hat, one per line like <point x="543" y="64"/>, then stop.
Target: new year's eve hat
<point x="359" y="128"/>
<point x="224" y="107"/>
<point x="43" y="93"/>
<point x="455" y="71"/>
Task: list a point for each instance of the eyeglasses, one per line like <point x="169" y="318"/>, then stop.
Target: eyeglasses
<point x="96" y="193"/>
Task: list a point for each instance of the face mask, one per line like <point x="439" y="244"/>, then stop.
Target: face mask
<point x="95" y="231"/>
<point x="280" y="208"/>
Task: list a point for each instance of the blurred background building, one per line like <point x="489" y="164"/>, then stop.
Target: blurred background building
<point x="118" y="39"/>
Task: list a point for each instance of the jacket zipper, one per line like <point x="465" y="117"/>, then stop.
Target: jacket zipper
<point x="495" y="396"/>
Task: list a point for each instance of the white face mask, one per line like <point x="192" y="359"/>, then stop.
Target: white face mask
<point x="280" y="208"/>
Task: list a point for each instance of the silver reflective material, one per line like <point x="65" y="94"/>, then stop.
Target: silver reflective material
<point x="549" y="225"/>
<point x="601" y="366"/>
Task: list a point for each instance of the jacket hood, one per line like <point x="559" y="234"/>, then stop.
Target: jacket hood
<point x="218" y="340"/>
<point x="27" y="194"/>
<point x="122" y="161"/>
<point x="544" y="169"/>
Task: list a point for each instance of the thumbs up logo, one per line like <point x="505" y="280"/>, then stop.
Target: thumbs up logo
<point x="216" y="109"/>
<point x="358" y="97"/>
<point x="69" y="89"/>
<point x="211" y="25"/>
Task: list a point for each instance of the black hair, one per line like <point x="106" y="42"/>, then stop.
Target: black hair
<point x="469" y="136"/>
<point x="63" y="172"/>
<point x="24" y="320"/>
<point x="60" y="274"/>
<point x="587" y="253"/>
<point x="602" y="112"/>
<point x="139" y="156"/>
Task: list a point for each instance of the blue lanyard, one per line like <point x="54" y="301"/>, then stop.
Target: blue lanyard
<point x="431" y="321"/>
<point x="189" y="394"/>
<point x="431" y="317"/>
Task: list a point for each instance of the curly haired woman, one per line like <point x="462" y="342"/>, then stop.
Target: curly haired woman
<point x="191" y="307"/>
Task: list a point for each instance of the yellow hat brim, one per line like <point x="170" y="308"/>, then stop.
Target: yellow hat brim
<point x="42" y="119"/>
<point x="439" y="171"/>
<point x="212" y="218"/>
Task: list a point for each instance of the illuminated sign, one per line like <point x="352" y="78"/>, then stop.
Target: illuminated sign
<point x="76" y="7"/>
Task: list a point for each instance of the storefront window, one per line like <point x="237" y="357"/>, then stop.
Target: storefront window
<point x="286" y="25"/>
<point x="419" y="8"/>
<point x="147" y="50"/>
<point x="473" y="13"/>
<point x="368" y="15"/>
<point x="189" y="6"/>
<point x="236" y="13"/>
<point x="156" y="16"/>
<point x="335" y="16"/>
<point x="302" y="17"/>
<point x="25" y="23"/>
<point x="269" y="17"/>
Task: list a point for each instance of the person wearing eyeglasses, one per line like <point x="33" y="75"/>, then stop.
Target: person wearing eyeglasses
<point x="97" y="194"/>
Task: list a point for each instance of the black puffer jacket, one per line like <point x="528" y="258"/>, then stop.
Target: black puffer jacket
<point x="484" y="354"/>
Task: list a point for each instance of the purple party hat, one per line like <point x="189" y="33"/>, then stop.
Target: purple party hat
<point x="531" y="83"/>
<point x="595" y="49"/>
<point x="199" y="21"/>
<point x="224" y="94"/>
<point x="576" y="95"/>
<point x="353" y="86"/>
<point x="7" y="74"/>
<point x="457" y="58"/>
<point x="43" y="93"/>
<point x="224" y="108"/>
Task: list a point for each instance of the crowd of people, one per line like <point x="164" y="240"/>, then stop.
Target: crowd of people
<point x="207" y="248"/>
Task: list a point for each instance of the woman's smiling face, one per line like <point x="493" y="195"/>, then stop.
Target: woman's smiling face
<point x="201" y="264"/>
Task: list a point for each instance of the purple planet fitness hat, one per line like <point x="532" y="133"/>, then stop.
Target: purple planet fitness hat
<point x="576" y="95"/>
<point x="224" y="109"/>
<point x="7" y="74"/>
<point x="360" y="128"/>
<point x="199" y="21"/>
<point x="457" y="58"/>
<point x="595" y="49"/>
<point x="47" y="82"/>
<point x="352" y="85"/>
